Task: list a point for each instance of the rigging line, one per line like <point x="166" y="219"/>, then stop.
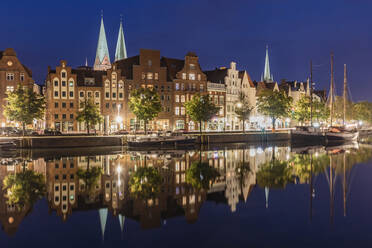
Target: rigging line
<point x="351" y="179"/>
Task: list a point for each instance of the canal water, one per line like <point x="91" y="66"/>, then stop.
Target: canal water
<point x="236" y="196"/>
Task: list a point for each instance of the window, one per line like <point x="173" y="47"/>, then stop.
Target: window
<point x="56" y="116"/>
<point x="56" y="104"/>
<point x="143" y="75"/>
<point x="56" y="188"/>
<point x="9" y="88"/>
<point x="183" y="112"/>
<point x="81" y="93"/>
<point x="56" y="166"/>
<point x="177" y="98"/>
<point x="63" y="116"/>
<point x="56" y="83"/>
<point x="72" y="186"/>
<point x="71" y="84"/>
<point x="56" y="93"/>
<point x="64" y="186"/>
<point x="192" y="67"/>
<point x="56" y="199"/>
<point x="107" y="94"/>
<point x="177" y="110"/>
<point x="120" y="85"/>
<point x="177" y="86"/>
<point x="107" y="85"/>
<point x="71" y="177"/>
<point x="97" y="94"/>
<point x="114" y="85"/>
<point x="71" y="116"/>
<point x="192" y="76"/>
<point x="89" y="94"/>
<point x="182" y="98"/>
<point x="168" y="109"/>
<point x="56" y="177"/>
<point x="149" y="75"/>
<point x="63" y="83"/>
<point x="184" y="76"/>
<point x="22" y="77"/>
<point x="162" y="97"/>
<point x="63" y="93"/>
<point x="64" y="178"/>
<point x="71" y="104"/>
<point x="149" y="63"/>
<point x="199" y="77"/>
<point x="10" y="76"/>
<point x="156" y="76"/>
<point x="182" y="86"/>
<point x="168" y="98"/>
<point x="113" y="95"/>
<point x="201" y="87"/>
<point x="193" y="86"/>
<point x="120" y="95"/>
<point x="71" y="165"/>
<point x="180" y="124"/>
<point x="63" y="74"/>
<point x="63" y="105"/>
<point x="71" y="94"/>
<point x="114" y="105"/>
<point x="222" y="100"/>
<point x="113" y="76"/>
<point x="64" y="166"/>
<point x="107" y="105"/>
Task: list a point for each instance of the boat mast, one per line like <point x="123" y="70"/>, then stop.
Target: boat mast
<point x="345" y="94"/>
<point x="311" y="93"/>
<point x="331" y="93"/>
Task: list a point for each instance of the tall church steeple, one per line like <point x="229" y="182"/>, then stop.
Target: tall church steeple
<point x="267" y="77"/>
<point x="121" y="50"/>
<point x="102" y="61"/>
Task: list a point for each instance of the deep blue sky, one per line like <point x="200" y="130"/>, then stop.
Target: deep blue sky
<point x="43" y="32"/>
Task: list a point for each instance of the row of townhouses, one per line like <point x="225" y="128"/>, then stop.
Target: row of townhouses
<point x="175" y="80"/>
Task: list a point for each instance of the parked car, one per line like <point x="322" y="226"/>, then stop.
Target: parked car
<point x="10" y="131"/>
<point x="51" y="131"/>
<point x="120" y="132"/>
<point x="30" y="132"/>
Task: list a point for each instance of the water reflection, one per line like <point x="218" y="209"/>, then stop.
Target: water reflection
<point x="151" y="187"/>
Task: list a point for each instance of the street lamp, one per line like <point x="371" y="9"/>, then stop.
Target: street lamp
<point x="119" y="119"/>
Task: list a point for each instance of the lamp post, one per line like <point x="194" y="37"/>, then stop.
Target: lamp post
<point x="119" y="119"/>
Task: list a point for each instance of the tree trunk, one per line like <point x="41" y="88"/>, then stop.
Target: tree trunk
<point x="23" y="128"/>
<point x="145" y="127"/>
<point x="243" y="125"/>
<point x="87" y="125"/>
<point x="273" y="122"/>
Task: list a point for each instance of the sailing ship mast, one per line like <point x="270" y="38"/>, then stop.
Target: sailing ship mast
<point x="331" y="91"/>
<point x="345" y="94"/>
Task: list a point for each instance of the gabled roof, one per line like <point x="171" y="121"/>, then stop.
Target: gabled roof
<point x="241" y="75"/>
<point x="216" y="76"/>
<point x="87" y="72"/>
<point x="173" y="66"/>
<point x="126" y="66"/>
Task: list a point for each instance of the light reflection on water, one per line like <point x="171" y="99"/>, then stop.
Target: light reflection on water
<point x="151" y="188"/>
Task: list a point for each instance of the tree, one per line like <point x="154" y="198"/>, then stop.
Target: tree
<point x="302" y="110"/>
<point x="90" y="176"/>
<point x="24" y="188"/>
<point x="243" y="110"/>
<point x="362" y="111"/>
<point x="145" y="104"/>
<point x="275" y="104"/>
<point x="200" y="175"/>
<point x="89" y="114"/>
<point x="24" y="106"/>
<point x="145" y="183"/>
<point x="201" y="109"/>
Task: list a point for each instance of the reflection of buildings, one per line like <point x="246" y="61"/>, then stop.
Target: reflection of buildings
<point x="110" y="193"/>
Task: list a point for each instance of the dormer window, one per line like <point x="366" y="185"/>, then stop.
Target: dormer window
<point x="22" y="77"/>
<point x="192" y="67"/>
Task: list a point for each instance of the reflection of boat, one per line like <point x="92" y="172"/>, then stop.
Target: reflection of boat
<point x="165" y="141"/>
<point x="7" y="145"/>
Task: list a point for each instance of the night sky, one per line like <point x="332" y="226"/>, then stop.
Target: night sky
<point x="43" y="32"/>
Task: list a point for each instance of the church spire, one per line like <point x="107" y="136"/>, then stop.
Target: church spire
<point x="121" y="50"/>
<point x="102" y="61"/>
<point x="267" y="77"/>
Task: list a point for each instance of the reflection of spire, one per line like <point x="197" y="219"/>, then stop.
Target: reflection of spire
<point x="103" y="219"/>
<point x="267" y="196"/>
<point x="121" y="221"/>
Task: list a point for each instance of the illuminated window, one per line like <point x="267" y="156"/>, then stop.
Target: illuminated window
<point x="192" y="67"/>
<point x="199" y="77"/>
<point x="201" y="87"/>
<point x="177" y="86"/>
<point x="114" y="85"/>
<point x="71" y="84"/>
<point x="156" y="76"/>
<point x="183" y="75"/>
<point x="149" y="75"/>
<point x="9" y="88"/>
<point x="10" y="76"/>
<point x="192" y="76"/>
<point x="120" y="85"/>
<point x="107" y="85"/>
<point x="183" y="112"/>
<point x="177" y="98"/>
<point x="177" y="110"/>
<point x="182" y="98"/>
